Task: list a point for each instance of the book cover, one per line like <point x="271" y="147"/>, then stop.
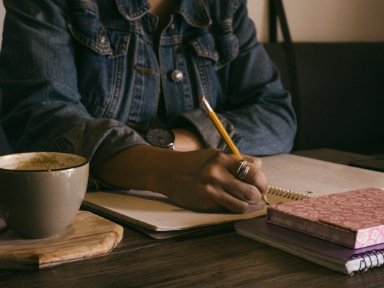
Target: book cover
<point x="353" y="218"/>
<point x="330" y="255"/>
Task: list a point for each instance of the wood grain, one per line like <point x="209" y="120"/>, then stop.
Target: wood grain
<point x="88" y="236"/>
<point x="224" y="260"/>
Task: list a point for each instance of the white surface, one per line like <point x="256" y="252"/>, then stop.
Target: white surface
<point x="302" y="174"/>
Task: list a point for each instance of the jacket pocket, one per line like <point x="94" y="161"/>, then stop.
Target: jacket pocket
<point x="221" y="45"/>
<point x="86" y="27"/>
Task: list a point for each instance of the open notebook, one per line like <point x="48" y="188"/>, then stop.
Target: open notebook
<point x="154" y="214"/>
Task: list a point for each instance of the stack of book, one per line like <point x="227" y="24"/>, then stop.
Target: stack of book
<point x="341" y="231"/>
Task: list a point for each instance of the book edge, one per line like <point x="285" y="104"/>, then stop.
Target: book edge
<point x="312" y="227"/>
<point x="350" y="261"/>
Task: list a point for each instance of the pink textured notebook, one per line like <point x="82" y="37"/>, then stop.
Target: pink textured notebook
<point x="354" y="219"/>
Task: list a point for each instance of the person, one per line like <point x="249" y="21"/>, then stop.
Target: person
<point x="119" y="82"/>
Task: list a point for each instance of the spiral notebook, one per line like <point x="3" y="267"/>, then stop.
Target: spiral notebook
<point x="330" y="255"/>
<point x="155" y="215"/>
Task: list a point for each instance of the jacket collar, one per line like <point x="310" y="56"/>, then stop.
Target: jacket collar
<point x="195" y="12"/>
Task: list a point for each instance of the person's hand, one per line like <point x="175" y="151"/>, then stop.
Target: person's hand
<point x="204" y="179"/>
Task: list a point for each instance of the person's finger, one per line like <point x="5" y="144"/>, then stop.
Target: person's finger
<point x="256" y="175"/>
<point x="242" y="190"/>
<point x="228" y="201"/>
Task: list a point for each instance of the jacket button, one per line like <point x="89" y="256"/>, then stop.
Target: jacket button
<point x="177" y="75"/>
<point x="103" y="39"/>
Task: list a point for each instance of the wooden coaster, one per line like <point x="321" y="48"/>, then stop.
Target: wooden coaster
<point x="88" y="236"/>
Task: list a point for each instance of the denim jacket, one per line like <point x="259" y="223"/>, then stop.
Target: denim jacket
<point x="82" y="76"/>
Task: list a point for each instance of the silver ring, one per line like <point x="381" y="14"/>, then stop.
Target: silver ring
<point x="242" y="170"/>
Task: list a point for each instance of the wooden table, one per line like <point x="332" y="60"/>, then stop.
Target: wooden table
<point x="224" y="259"/>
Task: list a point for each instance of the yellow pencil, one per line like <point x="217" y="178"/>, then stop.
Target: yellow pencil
<point x="228" y="140"/>
<point x="220" y="128"/>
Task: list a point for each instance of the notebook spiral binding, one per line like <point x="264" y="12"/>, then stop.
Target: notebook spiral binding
<point x="281" y="192"/>
<point x="370" y="259"/>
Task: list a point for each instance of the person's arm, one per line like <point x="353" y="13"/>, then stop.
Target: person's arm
<point x="42" y="105"/>
<point x="253" y="105"/>
<point x="202" y="180"/>
<point x="186" y="140"/>
<point x="264" y="117"/>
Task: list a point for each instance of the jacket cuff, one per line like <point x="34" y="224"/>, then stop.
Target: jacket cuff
<point x="202" y="124"/>
<point x="98" y="140"/>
